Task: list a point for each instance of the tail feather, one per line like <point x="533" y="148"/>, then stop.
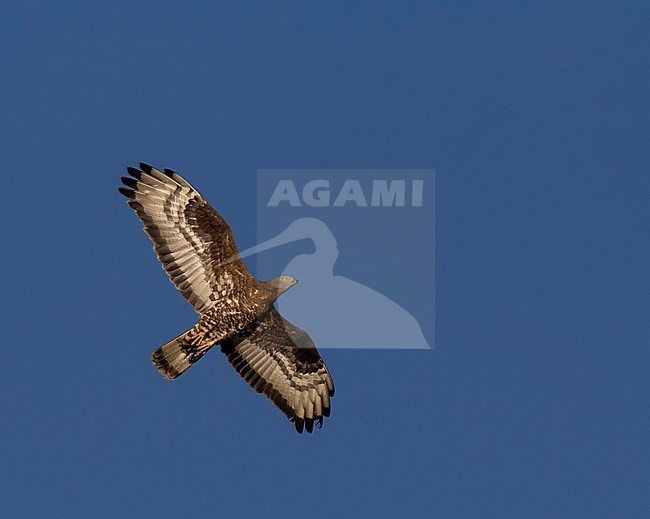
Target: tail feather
<point x="178" y="355"/>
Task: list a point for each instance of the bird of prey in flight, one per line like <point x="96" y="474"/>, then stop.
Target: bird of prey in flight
<point x="236" y="311"/>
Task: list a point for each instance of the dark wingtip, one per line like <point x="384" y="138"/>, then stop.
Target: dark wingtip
<point x="169" y="172"/>
<point x="326" y="411"/>
<point x="128" y="181"/>
<point x="129" y="193"/>
<point x="134" y="172"/>
<point x="300" y="425"/>
<point x="309" y="425"/>
<point x="145" y="167"/>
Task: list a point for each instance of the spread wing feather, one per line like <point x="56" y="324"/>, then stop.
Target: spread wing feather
<point x="280" y="360"/>
<point x="192" y="241"/>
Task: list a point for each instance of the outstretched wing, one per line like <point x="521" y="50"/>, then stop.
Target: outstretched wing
<point x="280" y="360"/>
<point x="192" y="241"/>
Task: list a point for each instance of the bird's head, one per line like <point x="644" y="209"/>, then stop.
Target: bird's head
<point x="281" y="284"/>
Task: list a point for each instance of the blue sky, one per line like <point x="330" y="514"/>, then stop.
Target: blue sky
<point x="534" y="116"/>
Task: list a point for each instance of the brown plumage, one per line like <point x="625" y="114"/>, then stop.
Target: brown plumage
<point x="197" y="251"/>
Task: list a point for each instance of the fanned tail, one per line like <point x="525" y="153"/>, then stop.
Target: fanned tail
<point x="178" y="355"/>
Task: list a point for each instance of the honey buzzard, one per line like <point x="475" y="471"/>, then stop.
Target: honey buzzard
<point x="236" y="311"/>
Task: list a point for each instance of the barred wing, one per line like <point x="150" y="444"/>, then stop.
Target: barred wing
<point x="192" y="241"/>
<point x="280" y="360"/>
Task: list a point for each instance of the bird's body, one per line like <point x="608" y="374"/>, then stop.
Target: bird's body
<point x="197" y="250"/>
